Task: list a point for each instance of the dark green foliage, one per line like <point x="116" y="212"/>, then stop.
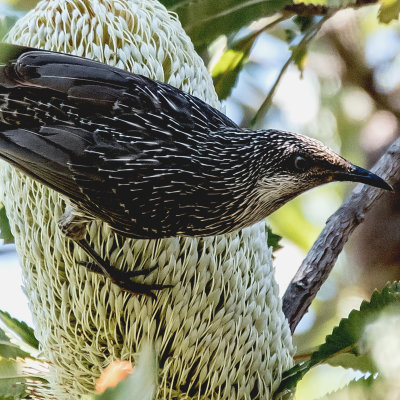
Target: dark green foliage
<point x="8" y="349"/>
<point x="12" y="383"/>
<point x="273" y="239"/>
<point x="20" y="328"/>
<point x="205" y="20"/>
<point x="343" y="344"/>
<point x="5" y="231"/>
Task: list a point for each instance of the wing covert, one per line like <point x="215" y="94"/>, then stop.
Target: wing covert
<point x="106" y="90"/>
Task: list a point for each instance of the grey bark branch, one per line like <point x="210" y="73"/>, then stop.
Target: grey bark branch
<point x="320" y="260"/>
<point x="306" y="9"/>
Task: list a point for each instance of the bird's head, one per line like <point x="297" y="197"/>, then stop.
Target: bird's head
<point x="295" y="163"/>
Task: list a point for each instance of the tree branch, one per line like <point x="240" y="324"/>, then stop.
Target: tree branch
<point x="320" y="260"/>
<point x="307" y="9"/>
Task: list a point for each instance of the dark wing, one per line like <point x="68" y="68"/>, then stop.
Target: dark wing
<point x="98" y="134"/>
<point x="103" y="88"/>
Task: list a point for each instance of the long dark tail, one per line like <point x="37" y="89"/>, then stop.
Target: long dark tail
<point x="36" y="134"/>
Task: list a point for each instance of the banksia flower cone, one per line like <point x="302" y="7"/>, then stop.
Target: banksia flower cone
<point x="219" y="333"/>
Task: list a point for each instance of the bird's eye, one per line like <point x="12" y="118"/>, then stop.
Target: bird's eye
<point x="300" y="163"/>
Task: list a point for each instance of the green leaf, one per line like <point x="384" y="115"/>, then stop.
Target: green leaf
<point x="344" y="346"/>
<point x="228" y="67"/>
<point x="303" y="22"/>
<point x="226" y="71"/>
<point x="389" y="10"/>
<point x="5" y="231"/>
<point x="205" y="20"/>
<point x="334" y="4"/>
<point x="291" y="224"/>
<point x="12" y="382"/>
<point x="273" y="239"/>
<point x="8" y="349"/>
<point x="20" y="5"/>
<point x="20" y="328"/>
<point x="340" y="3"/>
<point x="299" y="57"/>
<point x="361" y="388"/>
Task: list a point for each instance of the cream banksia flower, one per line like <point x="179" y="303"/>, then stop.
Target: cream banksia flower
<point x="219" y="333"/>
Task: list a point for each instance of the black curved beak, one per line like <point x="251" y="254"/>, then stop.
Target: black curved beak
<point x="358" y="174"/>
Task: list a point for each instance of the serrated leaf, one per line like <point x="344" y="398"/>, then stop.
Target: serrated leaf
<point x="361" y="362"/>
<point x="20" y="328"/>
<point x="8" y="349"/>
<point x="389" y="11"/>
<point x="205" y="20"/>
<point x="346" y="337"/>
<point x="226" y="71"/>
<point x="5" y="231"/>
<point x="356" y="389"/>
<point x="12" y="382"/>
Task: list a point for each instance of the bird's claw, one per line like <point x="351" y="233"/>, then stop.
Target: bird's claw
<point x="123" y="278"/>
<point x="140" y="288"/>
<point x="93" y="267"/>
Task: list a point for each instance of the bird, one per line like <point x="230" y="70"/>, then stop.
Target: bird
<point x="146" y="158"/>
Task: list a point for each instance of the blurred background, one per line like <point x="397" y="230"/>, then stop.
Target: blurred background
<point x="345" y="91"/>
<point x="348" y="96"/>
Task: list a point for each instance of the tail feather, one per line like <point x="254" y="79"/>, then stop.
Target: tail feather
<point x="45" y="158"/>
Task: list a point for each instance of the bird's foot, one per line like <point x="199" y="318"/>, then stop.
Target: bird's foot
<point x="123" y="278"/>
<point x="118" y="277"/>
<point x="93" y="267"/>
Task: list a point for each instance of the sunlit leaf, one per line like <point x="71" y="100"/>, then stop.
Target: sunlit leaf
<point x="356" y="389"/>
<point x="340" y="3"/>
<point x="389" y="10"/>
<point x="226" y="71"/>
<point x="205" y="20"/>
<point x="290" y="223"/>
<point x="12" y="382"/>
<point x="8" y="349"/>
<point x="5" y="231"/>
<point x="329" y="3"/>
<point x="21" y="4"/>
<point x="299" y="57"/>
<point x="20" y="328"/>
<point x="344" y="346"/>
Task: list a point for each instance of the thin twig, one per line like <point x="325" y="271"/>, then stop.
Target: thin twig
<point x="320" y="260"/>
<point x="266" y="27"/>
<point x="304" y="41"/>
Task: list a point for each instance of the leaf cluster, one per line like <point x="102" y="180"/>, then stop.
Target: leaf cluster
<point x="17" y="345"/>
<point x="345" y="345"/>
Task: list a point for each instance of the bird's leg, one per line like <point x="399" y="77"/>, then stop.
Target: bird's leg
<point x="73" y="225"/>
<point x="93" y="267"/>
